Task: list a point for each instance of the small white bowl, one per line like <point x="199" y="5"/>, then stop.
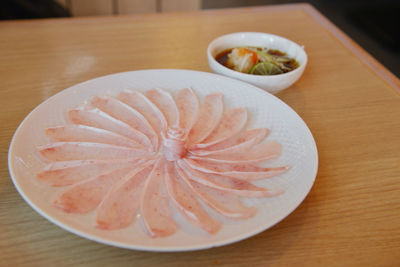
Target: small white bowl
<point x="270" y="83"/>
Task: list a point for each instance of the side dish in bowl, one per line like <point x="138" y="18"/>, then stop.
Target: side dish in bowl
<point x="268" y="61"/>
<point x="257" y="60"/>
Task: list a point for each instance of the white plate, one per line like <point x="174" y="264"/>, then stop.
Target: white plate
<point x="265" y="110"/>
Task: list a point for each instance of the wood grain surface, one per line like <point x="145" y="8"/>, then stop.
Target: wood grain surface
<point x="350" y="102"/>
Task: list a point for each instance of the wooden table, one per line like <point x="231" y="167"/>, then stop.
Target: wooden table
<point x="350" y="102"/>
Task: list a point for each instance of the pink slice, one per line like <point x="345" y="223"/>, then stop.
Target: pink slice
<point x="223" y="202"/>
<point x="186" y="201"/>
<point x="235" y="144"/>
<point x="166" y="104"/>
<point x="83" y="133"/>
<point x="71" y="172"/>
<point x="256" y="154"/>
<point x="236" y="170"/>
<point x="231" y="124"/>
<point x="154" y="204"/>
<point x="209" y="117"/>
<point x="227" y="184"/>
<point x="188" y="106"/>
<point x="122" y="201"/>
<point x="63" y="151"/>
<point x="127" y="114"/>
<point x="87" y="195"/>
<point x="145" y="107"/>
<point x="94" y="117"/>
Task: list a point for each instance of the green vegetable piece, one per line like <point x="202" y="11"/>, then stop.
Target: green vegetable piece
<point x="265" y="68"/>
<point x="264" y="56"/>
<point x="283" y="59"/>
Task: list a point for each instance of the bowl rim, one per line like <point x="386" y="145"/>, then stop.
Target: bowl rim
<point x="252" y="76"/>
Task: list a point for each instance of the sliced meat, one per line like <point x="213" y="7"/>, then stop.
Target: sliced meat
<point x="83" y="133"/>
<point x="71" y="172"/>
<point x="154" y="204"/>
<point x="209" y="117"/>
<point x="227" y="184"/>
<point x="122" y="202"/>
<point x="188" y="107"/>
<point x="63" y="151"/>
<point x="166" y="104"/>
<point x="256" y="154"/>
<point x="236" y="170"/>
<point x="231" y="124"/>
<point x="235" y="144"/>
<point x="145" y="107"/>
<point x="94" y="117"/>
<point x="186" y="201"/>
<point x="87" y="195"/>
<point x="223" y="202"/>
<point x="127" y="114"/>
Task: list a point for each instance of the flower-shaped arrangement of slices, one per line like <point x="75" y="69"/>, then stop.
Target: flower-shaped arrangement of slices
<point x="144" y="153"/>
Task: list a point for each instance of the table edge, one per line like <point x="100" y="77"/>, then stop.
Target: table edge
<point x="366" y="58"/>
